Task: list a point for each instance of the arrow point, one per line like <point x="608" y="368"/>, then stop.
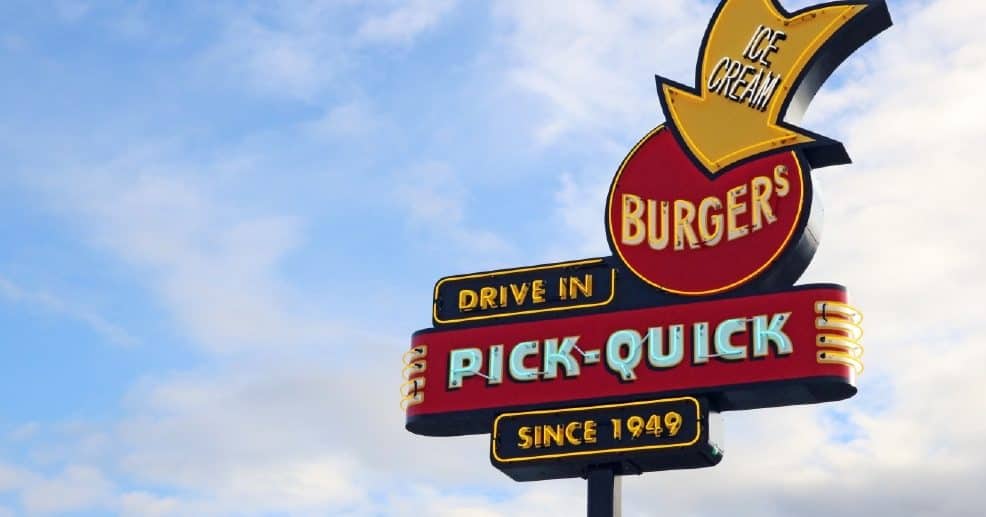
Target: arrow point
<point x="698" y="116"/>
<point x="670" y="92"/>
<point x="785" y="137"/>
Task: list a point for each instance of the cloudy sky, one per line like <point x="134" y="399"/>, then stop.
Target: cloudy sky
<point x="221" y="222"/>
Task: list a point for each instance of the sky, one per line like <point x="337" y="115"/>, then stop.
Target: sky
<point x="220" y="222"/>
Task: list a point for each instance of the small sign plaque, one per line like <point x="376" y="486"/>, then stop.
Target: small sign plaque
<point x="656" y="434"/>
<point x="536" y="290"/>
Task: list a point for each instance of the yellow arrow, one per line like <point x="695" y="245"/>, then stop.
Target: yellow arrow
<point x="752" y="57"/>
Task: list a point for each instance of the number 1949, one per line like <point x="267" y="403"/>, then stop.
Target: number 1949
<point x="654" y="425"/>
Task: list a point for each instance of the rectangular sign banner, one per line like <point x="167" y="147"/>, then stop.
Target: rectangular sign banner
<point x="793" y="347"/>
<point x="536" y="290"/>
<point x="561" y="443"/>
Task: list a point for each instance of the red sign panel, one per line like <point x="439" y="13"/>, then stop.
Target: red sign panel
<point x="686" y="232"/>
<point x="793" y="347"/>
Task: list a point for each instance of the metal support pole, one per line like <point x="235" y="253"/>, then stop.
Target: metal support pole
<point x="605" y="489"/>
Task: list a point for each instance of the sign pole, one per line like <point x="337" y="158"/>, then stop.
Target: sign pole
<point x="604" y="495"/>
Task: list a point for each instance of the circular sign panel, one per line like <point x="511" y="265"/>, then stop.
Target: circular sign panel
<point x="687" y="232"/>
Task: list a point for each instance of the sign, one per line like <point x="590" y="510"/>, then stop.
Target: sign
<point x="684" y="233"/>
<point x="711" y="220"/>
<point x="795" y="347"/>
<point x="524" y="291"/>
<point x="562" y="443"/>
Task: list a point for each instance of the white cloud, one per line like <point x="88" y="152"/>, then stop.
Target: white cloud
<point x="10" y="477"/>
<point x="901" y="221"/>
<point x="74" y="488"/>
<point x="303" y="49"/>
<point x="144" y="504"/>
<point x="285" y="437"/>
<point x="349" y="120"/>
<point x="215" y="265"/>
<point x="578" y="209"/>
<point x="593" y="62"/>
<point x="404" y="22"/>
<point x="56" y="304"/>
<point x="24" y="431"/>
<point x="71" y="11"/>
<point x="289" y="48"/>
<point x="436" y="200"/>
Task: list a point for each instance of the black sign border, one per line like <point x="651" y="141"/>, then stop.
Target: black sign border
<point x="481" y="318"/>
<point x="565" y="455"/>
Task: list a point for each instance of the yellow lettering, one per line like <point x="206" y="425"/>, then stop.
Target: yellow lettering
<point x="487" y="298"/>
<point x="589" y="431"/>
<point x="570" y="433"/>
<point x="575" y="286"/>
<point x="633" y="226"/>
<point x="761" y="188"/>
<point x="525" y="437"/>
<point x="734" y="208"/>
<point x="717" y="218"/>
<point x="537" y="291"/>
<point x="538" y="443"/>
<point x="657" y="242"/>
<point x="468" y="300"/>
<point x="684" y="216"/>
<point x="780" y="178"/>
<point x="710" y="238"/>
<point x="553" y="434"/>
<point x="520" y="293"/>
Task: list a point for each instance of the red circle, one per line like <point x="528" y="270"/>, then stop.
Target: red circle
<point x="659" y="170"/>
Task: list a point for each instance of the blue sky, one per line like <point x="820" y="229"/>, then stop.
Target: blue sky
<point x="221" y="222"/>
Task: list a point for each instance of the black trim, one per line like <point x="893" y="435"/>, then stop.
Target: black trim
<point x="445" y="306"/>
<point x="702" y="427"/>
